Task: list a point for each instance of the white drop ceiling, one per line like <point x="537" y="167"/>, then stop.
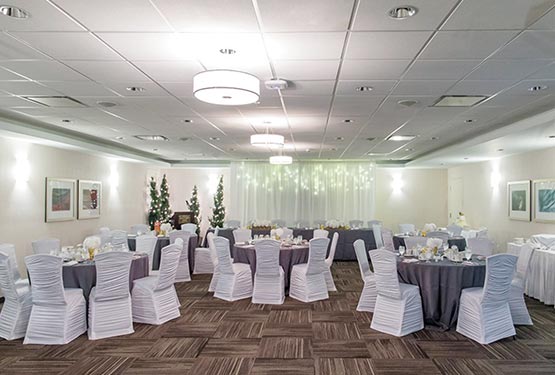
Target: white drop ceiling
<point x="93" y="50"/>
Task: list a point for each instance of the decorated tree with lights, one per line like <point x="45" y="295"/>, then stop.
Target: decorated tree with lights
<point x="165" y="211"/>
<point x="194" y="207"/>
<point x="218" y="211"/>
<point x="154" y="210"/>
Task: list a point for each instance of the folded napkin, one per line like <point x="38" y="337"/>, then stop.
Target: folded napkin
<point x="410" y="260"/>
<point x="467" y="263"/>
<point x="71" y="263"/>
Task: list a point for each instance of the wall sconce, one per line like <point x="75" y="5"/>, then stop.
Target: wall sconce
<point x="397" y="183"/>
<point x="21" y="170"/>
<point x="114" y="177"/>
<point x="495" y="179"/>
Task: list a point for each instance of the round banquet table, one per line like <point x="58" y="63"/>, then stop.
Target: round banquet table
<point x="163" y="242"/>
<point x="83" y="275"/>
<point x="288" y="257"/>
<point x="459" y="242"/>
<point x="440" y="285"/>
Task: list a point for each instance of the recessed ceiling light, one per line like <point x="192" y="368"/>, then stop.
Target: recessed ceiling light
<point x="401" y="138"/>
<point x="401" y="13"/>
<point x="407" y="103"/>
<point x="154" y="149"/>
<point x="151" y="137"/>
<point x="459" y="100"/>
<point x="469" y="121"/>
<point x="537" y="88"/>
<point x="231" y="149"/>
<point x="119" y="138"/>
<point x="106" y="104"/>
<point x="364" y="88"/>
<point x="333" y="149"/>
<point x="214" y="138"/>
<point x="348" y="121"/>
<point x="434" y="138"/>
<point x="409" y="149"/>
<point x="339" y="138"/>
<point x="135" y="89"/>
<point x="187" y="121"/>
<point x="66" y="120"/>
<point x="500" y="150"/>
<point x="13" y="11"/>
<point x="376" y="153"/>
<point x="370" y="139"/>
<point x="465" y="158"/>
<point x="227" y="51"/>
<point x="551" y="136"/>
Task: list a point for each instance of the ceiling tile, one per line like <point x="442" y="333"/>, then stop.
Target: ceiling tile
<point x="344" y="105"/>
<point x="43" y="17"/>
<point x="423" y="87"/>
<point x="305" y="46"/>
<point x="348" y="88"/>
<point x="453" y="45"/>
<point x="373" y="69"/>
<point x="306" y="69"/>
<point x="170" y="71"/>
<point x="386" y="45"/>
<point x="530" y="45"/>
<point x="152" y="46"/>
<point x="44" y="70"/>
<point x="17" y="102"/>
<point x="12" y="49"/>
<point x="180" y="89"/>
<point x="26" y="88"/>
<point x="151" y="89"/>
<point x="523" y="88"/>
<point x="506" y="69"/>
<point x="547" y="22"/>
<point x="6" y="75"/>
<point x="308" y="88"/>
<point x="471" y="87"/>
<point x="545" y="73"/>
<point x="440" y="69"/>
<point x="109" y="71"/>
<point x="307" y="105"/>
<point x="80" y="88"/>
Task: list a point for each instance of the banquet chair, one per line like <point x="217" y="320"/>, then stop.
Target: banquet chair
<point x="278" y="223"/>
<point x="269" y="279"/>
<point x="517" y="305"/>
<point x="455" y="229"/>
<point x="367" y="300"/>
<point x="286" y="232"/>
<point x="242" y="235"/>
<point x="58" y="315"/>
<point x="16" y="309"/>
<point x="214" y="259"/>
<point x="407" y="228"/>
<point x="235" y="279"/>
<point x="319" y="222"/>
<point x="180" y="233"/>
<point x="329" y="262"/>
<point x="308" y="282"/>
<point x="204" y="258"/>
<point x="398" y="309"/>
<point x="372" y="222"/>
<point x="146" y="244"/>
<point x="105" y="235"/>
<point x="482" y="233"/>
<point x="183" y="271"/>
<point x="153" y="298"/>
<point x="139" y="229"/>
<point x="232" y="224"/>
<point x="9" y="250"/>
<point x="119" y="240"/>
<point x="189" y="227"/>
<point x="429" y="227"/>
<point x="320" y="233"/>
<point x="412" y="242"/>
<point x="387" y="237"/>
<point x="378" y="238"/>
<point x="444" y="236"/>
<point x="484" y="313"/>
<point x="301" y="224"/>
<point x="480" y="246"/>
<point x="356" y="223"/>
<point x="46" y="246"/>
<point x="110" y="312"/>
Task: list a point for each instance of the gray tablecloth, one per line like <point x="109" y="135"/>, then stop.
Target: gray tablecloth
<point x="163" y="242"/>
<point x="83" y="275"/>
<point x="344" y="250"/>
<point x="288" y="257"/>
<point x="440" y="287"/>
<point x="460" y="242"/>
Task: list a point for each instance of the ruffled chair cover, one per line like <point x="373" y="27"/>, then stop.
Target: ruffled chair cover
<point x="455" y="229"/>
<point x="407" y="228"/>
<point x="235" y="279"/>
<point x="320" y="233"/>
<point x="367" y="300"/>
<point x="9" y="250"/>
<point x="480" y="245"/>
<point x="204" y="259"/>
<point x="46" y="245"/>
<point x="105" y="235"/>
<point x="189" y="227"/>
<point x="16" y="310"/>
<point x="146" y="244"/>
<point x="214" y="260"/>
<point x="378" y="238"/>
<point x="308" y="282"/>
<point x="154" y="299"/>
<point x="519" y="311"/>
<point x="183" y="272"/>
<point x="429" y="227"/>
<point x="286" y="233"/>
<point x="269" y="280"/>
<point x="329" y="262"/>
<point x="139" y="229"/>
<point x="444" y="236"/>
<point x="110" y="312"/>
<point x="484" y="313"/>
<point x="242" y="235"/>
<point x="387" y="237"/>
<point x="398" y="309"/>
<point x="58" y="315"/>
<point x="412" y="242"/>
<point x="119" y="240"/>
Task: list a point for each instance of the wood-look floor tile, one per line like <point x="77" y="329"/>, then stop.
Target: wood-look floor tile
<point x="287" y="330"/>
<point x="123" y="347"/>
<point x="43" y="366"/>
<point x="16" y="348"/>
<point x="80" y="347"/>
<point x="544" y="348"/>
<point x="394" y="349"/>
<point x="454" y="349"/>
<point x="465" y="366"/>
<point x="285" y="347"/>
<point x="264" y="366"/>
<point x="222" y="366"/>
<point x="343" y="366"/>
<point x="188" y="329"/>
<point x="340" y="349"/>
<point x="183" y="347"/>
<point x="335" y="331"/>
<point x="524" y="367"/>
<point x="231" y="348"/>
<point x="405" y="367"/>
<point x="167" y="366"/>
<point x="239" y="330"/>
<point x="249" y="315"/>
<point x="512" y="350"/>
<point x="204" y="316"/>
<point x="333" y="316"/>
<point x="149" y="331"/>
<point x="99" y="366"/>
<point x="290" y="316"/>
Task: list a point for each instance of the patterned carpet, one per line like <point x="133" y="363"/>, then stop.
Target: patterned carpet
<point x="326" y="337"/>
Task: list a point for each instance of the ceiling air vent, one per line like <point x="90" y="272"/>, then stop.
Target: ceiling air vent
<point x="55" y="101"/>
<point x="459" y="100"/>
<point x="151" y="137"/>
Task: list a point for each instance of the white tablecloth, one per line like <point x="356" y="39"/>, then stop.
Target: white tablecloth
<point x="547" y="240"/>
<point x="541" y="277"/>
<point x="469" y="233"/>
<point x="514" y="248"/>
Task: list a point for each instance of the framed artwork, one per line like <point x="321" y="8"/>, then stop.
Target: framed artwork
<point x="519" y="200"/>
<point x="60" y="199"/>
<point x="544" y="200"/>
<point x="183" y="217"/>
<point x="90" y="198"/>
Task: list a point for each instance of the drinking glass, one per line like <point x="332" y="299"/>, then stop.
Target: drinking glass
<point x="401" y="250"/>
<point x="468" y="253"/>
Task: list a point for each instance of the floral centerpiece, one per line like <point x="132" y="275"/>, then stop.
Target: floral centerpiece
<point x="335" y="224"/>
<point x="260" y="224"/>
<point x="165" y="229"/>
<point x="92" y="244"/>
<point x="461" y="220"/>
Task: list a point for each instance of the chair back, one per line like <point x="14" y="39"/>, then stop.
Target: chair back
<point x="319" y="222"/>
<point x="287" y="233"/>
<point x="169" y="260"/>
<point x="333" y="247"/>
<point x="112" y="275"/>
<point x="45" y="273"/>
<point x="278" y="223"/>
<point x="385" y="271"/>
<point x="105" y="235"/>
<point x="119" y="240"/>
<point x="523" y="265"/>
<point x="46" y="245"/>
<point x="455" y="229"/>
<point x="387" y="237"/>
<point x="7" y="282"/>
<point x="406" y="228"/>
<point x="267" y="257"/>
<point x="500" y="269"/>
<point x="377" y="231"/>
<point x="139" y="229"/>
<point x="480" y="246"/>
<point x="9" y="250"/>
<point x="356" y="223"/>
<point x="317" y="249"/>
<point x="212" y="247"/>
<point x="184" y="246"/>
<point x="189" y="227"/>
<point x="242" y="235"/>
<point x="183" y="234"/>
<point x="444" y="236"/>
<point x="232" y="224"/>
<point x="482" y="233"/>
<point x="362" y="258"/>
<point x="412" y="242"/>
<point x="146" y="243"/>
<point x="224" y="257"/>
<point x="320" y="233"/>
<point x="372" y="222"/>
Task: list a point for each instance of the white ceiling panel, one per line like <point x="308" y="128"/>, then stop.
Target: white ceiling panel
<point x="349" y="88"/>
<point x="43" y="70"/>
<point x="373" y="69"/>
<point x="386" y="45"/>
<point x="308" y="88"/>
<point x="109" y="71"/>
<point x="307" y="105"/>
<point x="6" y="75"/>
<point x="511" y="101"/>
<point x="344" y="105"/>
<point x="17" y="102"/>
<point x="523" y="88"/>
<point x="11" y="49"/>
<point x="470" y="87"/>
<point x="422" y="87"/>
<point x="307" y="69"/>
<point x="306" y="15"/>
<point x="305" y="46"/>
<point x="453" y="45"/>
<point x="440" y="69"/>
<point x="151" y="89"/>
<point x="26" y="88"/>
<point x="547" y="22"/>
<point x="170" y="71"/>
<point x="152" y="46"/>
<point x="530" y="45"/>
<point x="43" y="17"/>
<point x="548" y="72"/>
<point x="258" y="68"/>
<point x="180" y="89"/>
<point x="506" y="69"/>
<point x="80" y="88"/>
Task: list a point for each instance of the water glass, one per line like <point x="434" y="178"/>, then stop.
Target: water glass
<point x="468" y="253"/>
<point x="401" y="250"/>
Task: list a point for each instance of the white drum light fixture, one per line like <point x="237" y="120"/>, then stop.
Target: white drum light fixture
<point x="226" y="87"/>
<point x="281" y="159"/>
<point x="267" y="140"/>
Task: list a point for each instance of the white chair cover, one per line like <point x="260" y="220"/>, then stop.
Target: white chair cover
<point x="214" y="260"/>
<point x="286" y="233"/>
<point x="235" y="279"/>
<point x="356" y="223"/>
<point x="455" y="229"/>
<point x="482" y="233"/>
<point x="16" y="309"/>
<point x="278" y="223"/>
<point x="387" y="236"/>
<point x="269" y="279"/>
<point x="484" y="313"/>
<point x="9" y="250"/>
<point x="398" y="309"/>
<point x="519" y="311"/>
<point x="429" y="227"/>
<point x="367" y="300"/>
<point x="154" y="299"/>
<point x="412" y="242"/>
<point x="46" y="246"/>
<point x="232" y="224"/>
<point x="242" y="235"/>
<point x="183" y="272"/>
<point x="480" y="246"/>
<point x="320" y="233"/>
<point x="139" y="229"/>
<point x="377" y="231"/>
<point x="407" y="228"/>
<point x="204" y="261"/>
<point x="58" y="315"/>
<point x="189" y="227"/>
<point x="308" y="282"/>
<point x="329" y="262"/>
<point x="110" y="311"/>
<point x="119" y="240"/>
<point x="105" y="235"/>
<point x="373" y="222"/>
<point x="175" y="234"/>
<point x="146" y="244"/>
<point x="444" y="236"/>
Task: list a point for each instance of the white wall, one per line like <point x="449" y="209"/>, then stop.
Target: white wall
<point x="22" y="205"/>
<point x="484" y="205"/>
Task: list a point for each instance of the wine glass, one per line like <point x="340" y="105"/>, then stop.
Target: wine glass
<point x="468" y="253"/>
<point x="401" y="250"/>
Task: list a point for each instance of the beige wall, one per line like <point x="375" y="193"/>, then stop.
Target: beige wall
<point x="486" y="205"/>
<point x="22" y="204"/>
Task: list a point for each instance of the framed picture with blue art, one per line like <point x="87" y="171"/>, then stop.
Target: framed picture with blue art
<point x="519" y="200"/>
<point x="60" y="199"/>
<point x="544" y="200"/>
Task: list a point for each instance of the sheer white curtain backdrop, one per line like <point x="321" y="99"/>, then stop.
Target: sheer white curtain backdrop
<point x="302" y="191"/>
